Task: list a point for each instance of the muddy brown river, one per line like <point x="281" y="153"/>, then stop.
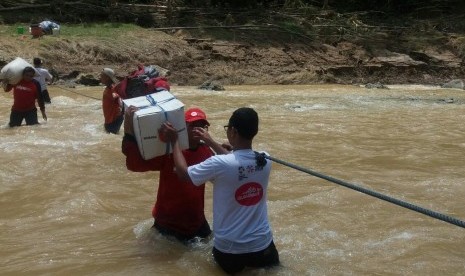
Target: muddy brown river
<point x="69" y="206"/>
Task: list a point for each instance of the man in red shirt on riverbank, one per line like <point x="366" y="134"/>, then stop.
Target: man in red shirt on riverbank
<point x="25" y="94"/>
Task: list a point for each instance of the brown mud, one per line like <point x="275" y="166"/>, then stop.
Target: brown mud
<point x="252" y="56"/>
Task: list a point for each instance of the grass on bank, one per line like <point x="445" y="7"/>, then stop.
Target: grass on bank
<point x="77" y="45"/>
<point x="94" y="30"/>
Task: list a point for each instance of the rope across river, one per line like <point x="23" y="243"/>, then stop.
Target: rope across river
<point x="61" y="87"/>
<point x="399" y="202"/>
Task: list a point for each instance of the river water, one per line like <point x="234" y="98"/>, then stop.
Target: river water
<point x="68" y="204"/>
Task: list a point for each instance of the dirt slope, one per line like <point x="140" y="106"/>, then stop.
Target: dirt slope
<point x="252" y="57"/>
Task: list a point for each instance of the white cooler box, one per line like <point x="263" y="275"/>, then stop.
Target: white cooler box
<point x="155" y="109"/>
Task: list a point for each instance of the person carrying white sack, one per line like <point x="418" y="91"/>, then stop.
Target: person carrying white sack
<point x="25" y="94"/>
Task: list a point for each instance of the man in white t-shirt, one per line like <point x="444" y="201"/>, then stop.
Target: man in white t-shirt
<point x="242" y="233"/>
<point x="43" y="78"/>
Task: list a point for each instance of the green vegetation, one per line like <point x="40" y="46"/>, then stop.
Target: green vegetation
<point x="86" y="30"/>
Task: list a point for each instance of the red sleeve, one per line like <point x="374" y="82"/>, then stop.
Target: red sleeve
<point x="134" y="160"/>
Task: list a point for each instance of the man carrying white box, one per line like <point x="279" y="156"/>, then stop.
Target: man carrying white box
<point x="179" y="206"/>
<point x="153" y="110"/>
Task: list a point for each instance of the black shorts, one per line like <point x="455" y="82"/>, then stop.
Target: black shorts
<point x="234" y="263"/>
<point x="114" y="126"/>
<point x="203" y="232"/>
<point x="16" y="117"/>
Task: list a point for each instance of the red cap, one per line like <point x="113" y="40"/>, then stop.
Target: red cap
<point x="195" y="114"/>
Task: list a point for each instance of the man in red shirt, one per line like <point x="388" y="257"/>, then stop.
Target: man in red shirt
<point x="179" y="207"/>
<point x="25" y="94"/>
<point x="111" y="102"/>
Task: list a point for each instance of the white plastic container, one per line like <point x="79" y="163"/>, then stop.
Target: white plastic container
<point x="154" y="110"/>
<point x="55" y="31"/>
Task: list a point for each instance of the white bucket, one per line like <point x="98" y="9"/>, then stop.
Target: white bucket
<point x="55" y="31"/>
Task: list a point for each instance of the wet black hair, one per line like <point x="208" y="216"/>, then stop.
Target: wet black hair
<point x="245" y="121"/>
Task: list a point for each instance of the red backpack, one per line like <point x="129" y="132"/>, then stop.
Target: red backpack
<point x="145" y="80"/>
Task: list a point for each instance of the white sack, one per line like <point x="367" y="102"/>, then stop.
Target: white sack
<point x="12" y="73"/>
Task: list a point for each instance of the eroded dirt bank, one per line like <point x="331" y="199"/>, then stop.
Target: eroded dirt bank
<point x="252" y="57"/>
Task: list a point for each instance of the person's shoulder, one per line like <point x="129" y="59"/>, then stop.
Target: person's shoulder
<point x="206" y="150"/>
<point x="42" y="70"/>
<point x="204" y="146"/>
<point x="222" y="158"/>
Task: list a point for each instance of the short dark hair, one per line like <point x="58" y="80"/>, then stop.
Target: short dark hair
<point x="245" y="121"/>
<point x="37" y="61"/>
<point x="29" y="69"/>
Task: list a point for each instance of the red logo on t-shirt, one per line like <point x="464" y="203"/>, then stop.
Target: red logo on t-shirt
<point x="249" y="194"/>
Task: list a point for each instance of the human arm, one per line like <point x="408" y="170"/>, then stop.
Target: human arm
<point x="48" y="77"/>
<point x="227" y="146"/>
<point x="134" y="160"/>
<point x="40" y="100"/>
<point x="128" y="120"/>
<point x="215" y="146"/>
<point x="116" y="97"/>
<point x="44" y="115"/>
<point x="171" y="136"/>
<point x="6" y="86"/>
